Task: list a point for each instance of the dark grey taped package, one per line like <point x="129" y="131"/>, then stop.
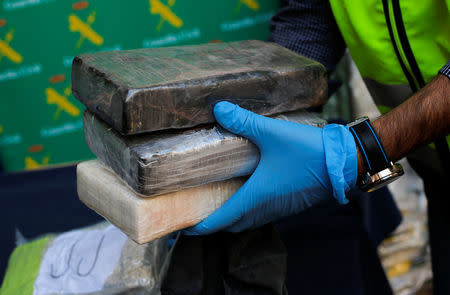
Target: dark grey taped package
<point x="143" y="90"/>
<point x="162" y="162"/>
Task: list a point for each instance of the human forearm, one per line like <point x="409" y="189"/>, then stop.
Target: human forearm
<point x="419" y="120"/>
<point x="302" y="166"/>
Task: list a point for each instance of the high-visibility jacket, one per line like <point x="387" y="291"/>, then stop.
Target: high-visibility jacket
<point x="398" y="47"/>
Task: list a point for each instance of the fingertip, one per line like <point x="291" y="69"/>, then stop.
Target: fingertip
<point x="223" y="106"/>
<point x="202" y="228"/>
<point x="223" y="112"/>
<point x="238" y="120"/>
<point x="191" y="231"/>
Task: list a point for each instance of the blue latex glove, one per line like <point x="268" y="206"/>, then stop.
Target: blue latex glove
<point x="300" y="166"/>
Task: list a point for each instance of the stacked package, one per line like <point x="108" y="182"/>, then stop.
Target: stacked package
<point x="163" y="164"/>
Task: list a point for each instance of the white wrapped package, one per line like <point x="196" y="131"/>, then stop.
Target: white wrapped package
<point x="146" y="219"/>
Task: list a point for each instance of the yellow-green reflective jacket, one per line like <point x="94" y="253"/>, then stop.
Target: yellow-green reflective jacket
<point x="398" y="46"/>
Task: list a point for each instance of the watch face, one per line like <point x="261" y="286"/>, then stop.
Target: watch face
<point x="382" y="178"/>
<point x="380" y="184"/>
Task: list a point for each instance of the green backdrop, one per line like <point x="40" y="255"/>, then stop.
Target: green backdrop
<point x="40" y="120"/>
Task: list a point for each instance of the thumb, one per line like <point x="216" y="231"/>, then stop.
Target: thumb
<point x="240" y="121"/>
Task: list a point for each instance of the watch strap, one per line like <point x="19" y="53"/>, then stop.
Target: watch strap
<point x="372" y="150"/>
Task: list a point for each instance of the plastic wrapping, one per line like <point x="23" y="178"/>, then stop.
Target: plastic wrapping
<point x="146" y="219"/>
<point x="159" y="163"/>
<point x="97" y="260"/>
<point x="151" y="89"/>
<point x="251" y="262"/>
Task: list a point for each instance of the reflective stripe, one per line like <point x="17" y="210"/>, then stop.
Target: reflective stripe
<point x="424" y="23"/>
<point x="391" y="23"/>
<point x="405" y="46"/>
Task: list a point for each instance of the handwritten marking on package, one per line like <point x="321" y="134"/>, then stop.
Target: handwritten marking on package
<point x="80" y="261"/>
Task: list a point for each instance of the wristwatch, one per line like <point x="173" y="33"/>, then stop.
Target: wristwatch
<point x="379" y="169"/>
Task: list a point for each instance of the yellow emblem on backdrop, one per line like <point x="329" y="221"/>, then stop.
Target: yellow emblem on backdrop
<point x="7" y="51"/>
<point x="61" y="101"/>
<point x="31" y="163"/>
<point x="1" y="129"/>
<point x="252" y="4"/>
<point x="77" y="25"/>
<point x="166" y="14"/>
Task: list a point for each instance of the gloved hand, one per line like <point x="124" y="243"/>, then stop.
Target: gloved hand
<point x="300" y="166"/>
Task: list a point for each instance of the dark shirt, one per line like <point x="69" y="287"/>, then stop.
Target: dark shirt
<point x="308" y="27"/>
